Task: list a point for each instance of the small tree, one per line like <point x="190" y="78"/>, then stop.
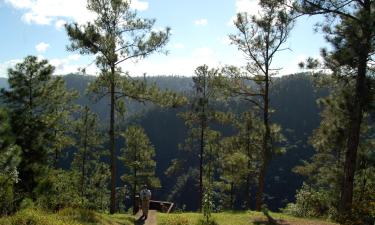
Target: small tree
<point x="87" y="156"/>
<point x="137" y="156"/>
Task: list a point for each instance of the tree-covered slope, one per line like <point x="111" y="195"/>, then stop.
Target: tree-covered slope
<point x="293" y="98"/>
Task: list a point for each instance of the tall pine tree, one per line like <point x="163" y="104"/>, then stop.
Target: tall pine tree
<point x="118" y="35"/>
<point x="260" y="38"/>
<point x="350" y="28"/>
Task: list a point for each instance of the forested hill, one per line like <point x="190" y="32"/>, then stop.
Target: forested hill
<point x="293" y="98"/>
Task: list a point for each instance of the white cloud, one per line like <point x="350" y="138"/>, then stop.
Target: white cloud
<point x="59" y="24"/>
<point x="74" y="57"/>
<point x="225" y="40"/>
<point x="178" y="46"/>
<point x="251" y="7"/>
<point x="66" y="65"/>
<point x="201" y="22"/>
<point x="20" y="3"/>
<point x="180" y="65"/>
<point x="46" y="12"/>
<point x="139" y="5"/>
<point x="6" y="65"/>
<point x="41" y="47"/>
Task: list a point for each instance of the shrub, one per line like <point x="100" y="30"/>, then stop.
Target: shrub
<point x="311" y="203"/>
<point x="58" y="190"/>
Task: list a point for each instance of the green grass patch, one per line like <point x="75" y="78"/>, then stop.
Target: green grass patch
<point x="67" y="216"/>
<point x="236" y="218"/>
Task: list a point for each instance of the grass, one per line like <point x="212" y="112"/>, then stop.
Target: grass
<point x="237" y="218"/>
<point x="67" y="216"/>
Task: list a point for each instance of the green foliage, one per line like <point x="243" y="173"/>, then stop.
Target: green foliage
<point x="137" y="156"/>
<point x="310" y="203"/>
<point x="201" y="145"/>
<point x="58" y="189"/>
<point x="86" y="159"/>
<point x="97" y="188"/>
<point x="208" y="204"/>
<point x="9" y="161"/>
<point x="37" y="104"/>
<point x="320" y="196"/>
<point x="259" y="38"/>
<point x="115" y="36"/>
<point x="350" y="61"/>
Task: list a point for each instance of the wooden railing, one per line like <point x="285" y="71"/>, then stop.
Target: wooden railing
<point x="160" y="206"/>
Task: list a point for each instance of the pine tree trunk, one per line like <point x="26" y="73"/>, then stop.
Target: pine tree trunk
<point x="112" y="143"/>
<point x="356" y="117"/>
<point x="201" y="166"/>
<point x="260" y="191"/>
<point x="231" y="196"/>
<point x="134" y="191"/>
<point x="266" y="151"/>
<point x="84" y="160"/>
<point x="248" y="178"/>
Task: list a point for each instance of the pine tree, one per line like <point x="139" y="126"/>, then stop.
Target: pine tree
<point x="118" y="35"/>
<point x="352" y="39"/>
<point x="88" y="154"/>
<point x="9" y="161"/>
<point x="197" y="120"/>
<point x="60" y="120"/>
<point x="259" y="38"/>
<point x="243" y="148"/>
<point x="31" y="100"/>
<point x="137" y="156"/>
<point x="98" y="190"/>
<point x="324" y="171"/>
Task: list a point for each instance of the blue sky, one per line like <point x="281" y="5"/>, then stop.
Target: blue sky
<point x="200" y="30"/>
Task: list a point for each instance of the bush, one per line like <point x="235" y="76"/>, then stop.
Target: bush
<point x="58" y="190"/>
<point x="311" y="203"/>
<point x="362" y="213"/>
<point x="6" y="195"/>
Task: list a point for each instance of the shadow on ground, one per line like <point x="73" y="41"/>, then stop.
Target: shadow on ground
<point x="140" y="221"/>
<point x="265" y="222"/>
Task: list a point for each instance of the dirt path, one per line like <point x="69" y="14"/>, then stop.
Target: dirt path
<point x="151" y="220"/>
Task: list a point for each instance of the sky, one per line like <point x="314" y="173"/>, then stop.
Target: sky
<point x="200" y="30"/>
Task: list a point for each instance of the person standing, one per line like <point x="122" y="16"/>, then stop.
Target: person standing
<point x="145" y="196"/>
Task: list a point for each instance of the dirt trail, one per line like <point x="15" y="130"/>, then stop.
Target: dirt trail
<point x="151" y="220"/>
